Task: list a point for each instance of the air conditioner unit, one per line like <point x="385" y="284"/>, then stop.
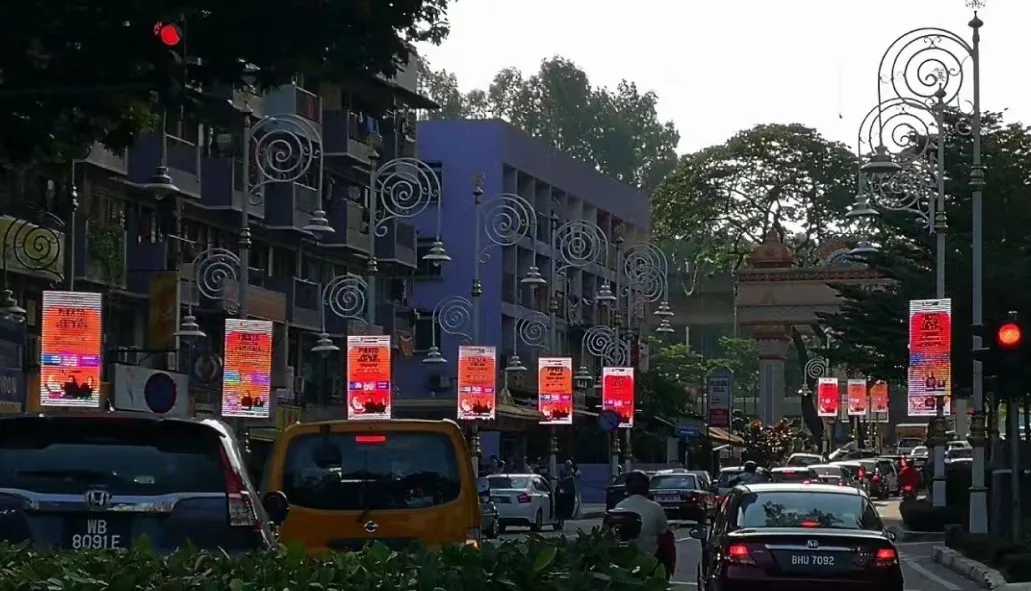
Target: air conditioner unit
<point x="143" y="389"/>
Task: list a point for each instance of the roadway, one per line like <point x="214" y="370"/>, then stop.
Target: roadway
<point x="920" y="572"/>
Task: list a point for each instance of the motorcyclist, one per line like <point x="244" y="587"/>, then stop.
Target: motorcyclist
<point x="749" y="475"/>
<point x="655" y="538"/>
<point x="909" y="476"/>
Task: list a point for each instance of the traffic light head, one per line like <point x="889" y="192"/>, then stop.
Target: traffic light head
<point x="169" y="34"/>
<point x="1009" y="336"/>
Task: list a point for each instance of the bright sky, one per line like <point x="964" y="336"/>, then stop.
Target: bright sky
<point x="724" y="65"/>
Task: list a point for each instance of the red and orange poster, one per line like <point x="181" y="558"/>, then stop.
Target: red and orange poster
<point x="555" y="390"/>
<point x="369" y="386"/>
<point x="71" y="349"/>
<point x="828" y="397"/>
<point x="930" y="356"/>
<point x="617" y="393"/>
<point x="477" y="383"/>
<point x="857" y="398"/>
<point x="247" y="373"/>
<point x="879" y="398"/>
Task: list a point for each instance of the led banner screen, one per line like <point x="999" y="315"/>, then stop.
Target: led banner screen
<point x="369" y="386"/>
<point x="879" y="401"/>
<point x="617" y="393"/>
<point x="828" y="397"/>
<point x="720" y="390"/>
<point x="71" y="349"/>
<point x="477" y="382"/>
<point x="930" y="356"/>
<point x="555" y="390"/>
<point x="247" y="373"/>
<point x="857" y="398"/>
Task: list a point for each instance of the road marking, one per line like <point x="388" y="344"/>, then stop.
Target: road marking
<point x="927" y="574"/>
<point x="684" y="583"/>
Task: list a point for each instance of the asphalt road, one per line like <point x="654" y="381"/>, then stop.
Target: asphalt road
<point x="920" y="572"/>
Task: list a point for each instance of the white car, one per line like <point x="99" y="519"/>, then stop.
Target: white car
<point x="907" y="445"/>
<point x="802" y="460"/>
<point x="524" y="499"/>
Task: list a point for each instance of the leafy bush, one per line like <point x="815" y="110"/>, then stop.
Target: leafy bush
<point x="588" y="562"/>
<point x="920" y="515"/>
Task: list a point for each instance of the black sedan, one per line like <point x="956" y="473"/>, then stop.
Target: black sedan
<point x="616" y="491"/>
<point x="682" y="496"/>
<point x="797" y="537"/>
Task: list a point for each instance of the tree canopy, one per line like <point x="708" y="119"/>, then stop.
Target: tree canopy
<point x="618" y="130"/>
<point x="723" y="200"/>
<point x="75" y="73"/>
<point x="870" y="331"/>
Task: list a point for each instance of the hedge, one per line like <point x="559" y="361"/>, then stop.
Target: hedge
<point x="591" y="561"/>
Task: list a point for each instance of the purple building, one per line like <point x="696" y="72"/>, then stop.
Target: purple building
<point x="511" y="162"/>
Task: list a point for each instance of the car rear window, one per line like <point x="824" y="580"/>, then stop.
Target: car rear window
<point x="684" y="481"/>
<point x="826" y="470"/>
<point x="357" y="472"/>
<point x="508" y="482"/>
<point x="126" y="456"/>
<point x="806" y="509"/>
<point x="727" y="476"/>
<point x="793" y="475"/>
<point x="851" y="470"/>
<point x="804" y="460"/>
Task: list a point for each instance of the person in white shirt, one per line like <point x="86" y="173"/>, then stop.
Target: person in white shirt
<point x="653" y="516"/>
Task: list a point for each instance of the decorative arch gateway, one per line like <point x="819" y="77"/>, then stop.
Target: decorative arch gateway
<point x="775" y="294"/>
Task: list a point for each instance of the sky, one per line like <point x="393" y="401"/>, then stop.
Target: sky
<point x="725" y="65"/>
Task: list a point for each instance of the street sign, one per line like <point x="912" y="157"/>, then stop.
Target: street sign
<point x="720" y="390"/>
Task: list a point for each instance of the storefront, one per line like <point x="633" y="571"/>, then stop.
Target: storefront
<point x="12" y="375"/>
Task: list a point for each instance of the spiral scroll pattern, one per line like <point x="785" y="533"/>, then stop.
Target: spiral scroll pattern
<point x="34" y="247"/>
<point x="816" y="368"/>
<point x="532" y="330"/>
<point x="905" y="127"/>
<point x="909" y="190"/>
<point x="284" y="148"/>
<point x="406" y="187"/>
<point x="579" y="243"/>
<point x="599" y="340"/>
<point x="345" y="296"/>
<point x="922" y="61"/>
<point x="505" y="219"/>
<point x="454" y="316"/>
<point x="646" y="270"/>
<point x="212" y="268"/>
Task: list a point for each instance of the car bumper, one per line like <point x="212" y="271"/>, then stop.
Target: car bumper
<point x="686" y="511"/>
<point x="517" y="513"/>
<point x="739" y="581"/>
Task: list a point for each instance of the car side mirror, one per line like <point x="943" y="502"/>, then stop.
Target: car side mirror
<point x="699" y="532"/>
<point x="276" y="506"/>
<point x="483" y="487"/>
<point x="891" y="535"/>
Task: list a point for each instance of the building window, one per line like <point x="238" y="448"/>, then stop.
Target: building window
<point x="424" y="331"/>
<point x="427" y="270"/>
<point x="182" y="127"/>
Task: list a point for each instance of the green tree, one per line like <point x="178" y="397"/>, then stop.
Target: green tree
<point x="870" y="331"/>
<point x="618" y="130"/>
<point x="723" y="200"/>
<point x="77" y="73"/>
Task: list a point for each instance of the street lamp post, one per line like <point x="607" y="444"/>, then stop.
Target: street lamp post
<point x="603" y="343"/>
<point x="928" y="66"/>
<point x="575" y="244"/>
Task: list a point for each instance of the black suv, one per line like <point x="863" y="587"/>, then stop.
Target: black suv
<point x="86" y="480"/>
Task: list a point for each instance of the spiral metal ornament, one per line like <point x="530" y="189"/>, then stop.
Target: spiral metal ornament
<point x="906" y="128"/>
<point x="912" y="190"/>
<point x="345" y="296"/>
<point x="920" y="62"/>
<point x="506" y="219"/>
<point x="816" y="368"/>
<point x="579" y="243"/>
<point x="406" y="187"/>
<point x="212" y="268"/>
<point x="604" y="343"/>
<point x="646" y="269"/>
<point x="454" y="316"/>
<point x="34" y="247"/>
<point x="284" y="149"/>
<point x="532" y="330"/>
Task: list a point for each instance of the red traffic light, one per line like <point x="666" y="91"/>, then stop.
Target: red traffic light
<point x="1009" y="336"/>
<point x="168" y="33"/>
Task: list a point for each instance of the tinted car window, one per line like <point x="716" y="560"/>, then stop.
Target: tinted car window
<point x="127" y="457"/>
<point x="345" y="472"/>
<point x="826" y="470"/>
<point x="804" y="460"/>
<point x="852" y="471"/>
<point x="793" y="475"/>
<point x="726" y="477"/>
<point x="508" y="482"/>
<point x="802" y="509"/>
<point x="689" y="481"/>
<point x="960" y="453"/>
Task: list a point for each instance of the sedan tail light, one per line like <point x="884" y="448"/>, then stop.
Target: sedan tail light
<point x="523" y="498"/>
<point x="739" y="554"/>
<point x="886" y="556"/>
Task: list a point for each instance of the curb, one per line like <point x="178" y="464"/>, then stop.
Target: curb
<point x="985" y="576"/>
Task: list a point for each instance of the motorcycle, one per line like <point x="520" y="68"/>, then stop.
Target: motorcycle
<point x="626" y="524"/>
<point x="908" y="493"/>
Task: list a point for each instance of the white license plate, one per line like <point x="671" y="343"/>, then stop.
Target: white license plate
<point x="668" y="498"/>
<point x="812" y="560"/>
